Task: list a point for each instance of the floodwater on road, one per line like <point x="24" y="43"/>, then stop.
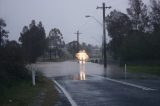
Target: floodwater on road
<point x="89" y="90"/>
<point x="74" y="69"/>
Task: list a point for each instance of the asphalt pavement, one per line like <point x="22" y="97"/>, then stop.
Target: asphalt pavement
<point x="91" y="85"/>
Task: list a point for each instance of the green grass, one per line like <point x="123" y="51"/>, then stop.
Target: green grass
<point x="21" y="93"/>
<point x="24" y="94"/>
<point x="51" y="93"/>
<point x="154" y="70"/>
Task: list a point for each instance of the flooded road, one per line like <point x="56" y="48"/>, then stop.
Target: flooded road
<point x="91" y="85"/>
<point x="53" y="69"/>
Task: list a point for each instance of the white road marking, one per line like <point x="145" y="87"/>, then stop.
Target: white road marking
<point x="58" y="89"/>
<point x="73" y="103"/>
<point x="126" y="83"/>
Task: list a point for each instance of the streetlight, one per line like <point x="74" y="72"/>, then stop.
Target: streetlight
<point x="89" y="16"/>
<point x="104" y="32"/>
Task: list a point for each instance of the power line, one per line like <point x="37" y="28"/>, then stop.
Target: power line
<point x="104" y="53"/>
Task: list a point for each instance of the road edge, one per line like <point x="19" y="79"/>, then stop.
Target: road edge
<point x="72" y="102"/>
<point x="127" y="83"/>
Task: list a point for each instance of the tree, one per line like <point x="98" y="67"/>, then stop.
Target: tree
<point x="3" y="32"/>
<point x="33" y="40"/>
<point x="56" y="42"/>
<point x="138" y="15"/>
<point x="135" y="37"/>
<point x="135" y="47"/>
<point x="155" y="14"/>
<point x="12" y="66"/>
<point x="155" y="21"/>
<point x="72" y="47"/>
<point x="88" y="47"/>
<point x="118" y="26"/>
<point x="85" y="47"/>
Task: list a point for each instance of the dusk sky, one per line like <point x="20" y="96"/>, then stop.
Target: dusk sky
<point x="67" y="15"/>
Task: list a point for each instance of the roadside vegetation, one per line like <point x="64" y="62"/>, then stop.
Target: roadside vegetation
<point x="135" y="36"/>
<point x="23" y="93"/>
<point x="15" y="79"/>
<point x="153" y="70"/>
<point x="16" y="87"/>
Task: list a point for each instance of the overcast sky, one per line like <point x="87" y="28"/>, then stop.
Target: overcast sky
<point x="67" y="15"/>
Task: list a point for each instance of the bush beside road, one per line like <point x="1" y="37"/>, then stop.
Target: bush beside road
<point x="23" y="93"/>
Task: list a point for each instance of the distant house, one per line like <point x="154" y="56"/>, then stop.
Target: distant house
<point x="95" y="55"/>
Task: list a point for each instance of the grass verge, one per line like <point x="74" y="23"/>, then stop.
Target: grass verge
<point x="153" y="70"/>
<point x="24" y="94"/>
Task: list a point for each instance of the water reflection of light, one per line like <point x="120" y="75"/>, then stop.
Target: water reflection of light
<point x="82" y="57"/>
<point x="82" y="72"/>
<point x="82" y="76"/>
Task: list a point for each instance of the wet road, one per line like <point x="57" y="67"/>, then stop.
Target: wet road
<point x="86" y="88"/>
<point x="54" y="69"/>
<point x="101" y="92"/>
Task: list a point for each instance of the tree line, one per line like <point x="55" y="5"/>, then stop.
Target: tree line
<point x="12" y="62"/>
<point x="32" y="44"/>
<point x="135" y="35"/>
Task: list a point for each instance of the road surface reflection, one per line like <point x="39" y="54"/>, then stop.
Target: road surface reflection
<point x="81" y="75"/>
<point x="77" y="72"/>
<point x="82" y="72"/>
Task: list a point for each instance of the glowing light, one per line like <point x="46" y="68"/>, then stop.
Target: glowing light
<point x="82" y="56"/>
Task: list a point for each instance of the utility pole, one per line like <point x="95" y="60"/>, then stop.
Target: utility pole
<point x="104" y="35"/>
<point x="78" y="33"/>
